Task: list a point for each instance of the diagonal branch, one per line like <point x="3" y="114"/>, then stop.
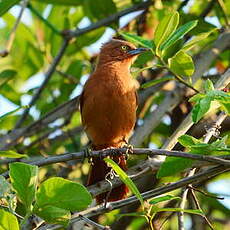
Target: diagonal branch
<point x="207" y="137"/>
<point x="10" y="41"/>
<point x="202" y="63"/>
<point x="68" y="36"/>
<point x="107" y="21"/>
<point x="10" y="139"/>
<point x="199" y="177"/>
<point x="187" y="122"/>
<point x="44" y="83"/>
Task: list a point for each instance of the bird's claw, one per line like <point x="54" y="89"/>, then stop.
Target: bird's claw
<point x="129" y="150"/>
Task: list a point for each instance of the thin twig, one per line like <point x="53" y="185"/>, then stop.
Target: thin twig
<point x="205" y="193"/>
<point x="184" y="3"/>
<point x="94" y="224"/>
<point x="68" y="36"/>
<point x="46" y="22"/>
<point x="207" y="137"/>
<point x="10" y="41"/>
<point x="198" y="207"/>
<point x="183" y="203"/>
<point x="107" y="21"/>
<point x="181" y="80"/>
<point x="199" y="177"/>
<point x="187" y="122"/>
<point x="202" y="63"/>
<point x="225" y="11"/>
<point x="44" y="83"/>
<point x="207" y="10"/>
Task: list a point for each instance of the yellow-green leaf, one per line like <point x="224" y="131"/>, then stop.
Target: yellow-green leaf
<point x="178" y="34"/>
<point x="195" y="40"/>
<point x="166" y="27"/>
<point x="181" y="64"/>
<point x="11" y="154"/>
<point x="124" y="177"/>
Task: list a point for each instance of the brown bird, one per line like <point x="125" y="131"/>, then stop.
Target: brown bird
<point x="108" y="108"/>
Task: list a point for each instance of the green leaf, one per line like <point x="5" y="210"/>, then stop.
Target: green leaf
<point x="208" y="86"/>
<point x="11" y="154"/>
<point x="124" y="177"/>
<point x="178" y="34"/>
<point x="191" y="211"/>
<point x="156" y="81"/>
<point x="226" y="107"/>
<point x="163" y="198"/>
<point x="8" y="221"/>
<point x="137" y="40"/>
<point x="5" y="5"/>
<point x="181" y="64"/>
<point x="166" y="27"/>
<point x="24" y="181"/>
<point x="4" y="187"/>
<point x="86" y="40"/>
<point x="54" y="215"/>
<point x="187" y="140"/>
<point x="99" y="9"/>
<point x="200" y="109"/>
<point x="220" y="143"/>
<point x="219" y="96"/>
<point x="172" y="50"/>
<point x="201" y="148"/>
<point x="195" y="40"/>
<point x="62" y="2"/>
<point x="197" y="97"/>
<point x="11" y="112"/>
<point x="63" y="194"/>
<point x="173" y="165"/>
<point x="6" y="75"/>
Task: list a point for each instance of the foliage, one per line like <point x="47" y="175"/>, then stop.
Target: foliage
<point x="175" y="35"/>
<point x="203" y="101"/>
<point x="53" y="200"/>
<point x="126" y="180"/>
<point x="173" y="165"/>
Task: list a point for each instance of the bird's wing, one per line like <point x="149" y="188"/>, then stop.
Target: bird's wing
<point x="137" y="99"/>
<point x="81" y="99"/>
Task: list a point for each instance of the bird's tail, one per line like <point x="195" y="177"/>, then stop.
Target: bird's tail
<point x="98" y="172"/>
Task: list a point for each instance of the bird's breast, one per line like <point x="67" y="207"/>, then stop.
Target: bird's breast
<point x="109" y="110"/>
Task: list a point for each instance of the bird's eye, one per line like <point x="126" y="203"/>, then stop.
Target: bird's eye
<point x="124" y="48"/>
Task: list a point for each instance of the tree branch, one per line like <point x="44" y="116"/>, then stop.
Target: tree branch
<point x="202" y="64"/>
<point x="187" y="122"/>
<point x="10" y="41"/>
<point x="207" y="137"/>
<point x="199" y="177"/>
<point x="44" y="83"/>
<point x="223" y="160"/>
<point x="68" y="36"/>
<point x="107" y="21"/>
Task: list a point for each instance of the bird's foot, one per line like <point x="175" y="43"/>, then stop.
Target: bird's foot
<point x="129" y="150"/>
<point x="112" y="151"/>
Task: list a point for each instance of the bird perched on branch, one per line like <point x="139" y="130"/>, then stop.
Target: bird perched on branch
<point x="108" y="108"/>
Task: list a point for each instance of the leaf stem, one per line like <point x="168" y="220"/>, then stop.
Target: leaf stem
<point x="10" y="41"/>
<point x="185" y="83"/>
<point x="177" y="76"/>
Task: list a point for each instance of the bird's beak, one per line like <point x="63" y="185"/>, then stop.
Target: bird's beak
<point x="137" y="51"/>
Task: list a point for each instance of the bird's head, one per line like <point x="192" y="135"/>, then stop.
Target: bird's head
<point x="119" y="51"/>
